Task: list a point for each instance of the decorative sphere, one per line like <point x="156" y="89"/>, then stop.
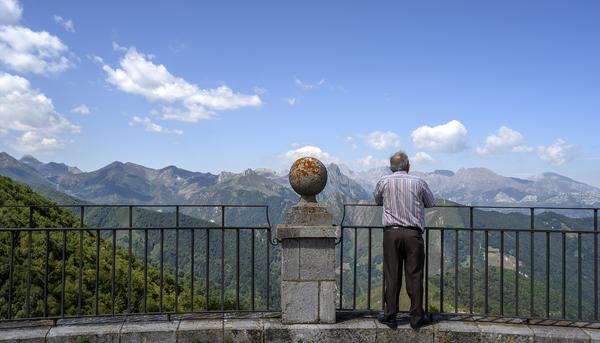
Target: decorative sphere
<point x="308" y="177"/>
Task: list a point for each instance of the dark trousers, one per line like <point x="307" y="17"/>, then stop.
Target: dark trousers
<point x="403" y="248"/>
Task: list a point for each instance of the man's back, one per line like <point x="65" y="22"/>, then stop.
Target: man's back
<point x="404" y="198"/>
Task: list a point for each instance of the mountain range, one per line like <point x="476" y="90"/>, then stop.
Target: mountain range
<point x="129" y="183"/>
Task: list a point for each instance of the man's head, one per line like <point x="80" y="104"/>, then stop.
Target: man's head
<point x="399" y="162"/>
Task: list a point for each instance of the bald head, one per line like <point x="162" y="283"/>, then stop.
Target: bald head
<point x="399" y="162"/>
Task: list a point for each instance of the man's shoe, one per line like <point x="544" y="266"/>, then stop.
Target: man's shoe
<point x="423" y="322"/>
<point x="391" y="322"/>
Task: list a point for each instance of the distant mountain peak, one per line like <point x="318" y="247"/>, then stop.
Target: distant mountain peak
<point x="443" y="172"/>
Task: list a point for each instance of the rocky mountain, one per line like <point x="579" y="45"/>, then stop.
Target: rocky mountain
<point x="481" y="186"/>
<point x="49" y="169"/>
<point x="129" y="183"/>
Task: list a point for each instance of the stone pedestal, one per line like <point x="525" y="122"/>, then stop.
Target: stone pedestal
<point x="308" y="284"/>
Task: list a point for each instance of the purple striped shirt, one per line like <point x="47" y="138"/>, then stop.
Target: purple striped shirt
<point x="404" y="198"/>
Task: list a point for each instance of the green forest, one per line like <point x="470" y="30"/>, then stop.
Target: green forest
<point x="94" y="279"/>
<point x="95" y="276"/>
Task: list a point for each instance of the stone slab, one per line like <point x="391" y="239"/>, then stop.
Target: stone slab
<point x="200" y="331"/>
<point x="455" y="331"/>
<point x="593" y="333"/>
<point x="285" y="231"/>
<point x="492" y="332"/>
<point x="290" y="260"/>
<point x="348" y="331"/>
<point x="327" y="292"/>
<point x="243" y="330"/>
<point x="146" y="332"/>
<point x="299" y="302"/>
<point x="35" y="334"/>
<point x="548" y="334"/>
<point x="91" y="333"/>
<point x="403" y="333"/>
<point x="307" y="214"/>
<point x="317" y="259"/>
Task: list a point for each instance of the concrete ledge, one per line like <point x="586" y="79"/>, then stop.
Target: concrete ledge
<point x="254" y="329"/>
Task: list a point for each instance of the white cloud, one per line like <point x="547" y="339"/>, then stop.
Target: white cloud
<point x="309" y="151"/>
<point x="505" y="138"/>
<point x="558" y="153"/>
<point x="449" y="137"/>
<point x="24" y="50"/>
<point x="382" y="140"/>
<point x="31" y="114"/>
<point x="10" y="12"/>
<point x="33" y="142"/>
<point x="371" y="162"/>
<point x="308" y="86"/>
<point x="422" y="158"/>
<point x="259" y="90"/>
<point x="150" y="126"/>
<point x="81" y="109"/>
<point x="351" y="141"/>
<point x="139" y="75"/>
<point x="23" y="108"/>
<point x="290" y="101"/>
<point x="66" y="24"/>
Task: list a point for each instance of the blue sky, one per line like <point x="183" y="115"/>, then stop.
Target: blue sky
<point x="229" y="85"/>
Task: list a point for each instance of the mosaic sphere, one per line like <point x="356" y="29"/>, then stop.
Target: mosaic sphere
<point x="308" y="176"/>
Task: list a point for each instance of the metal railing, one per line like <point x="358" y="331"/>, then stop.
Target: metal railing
<point x="527" y="268"/>
<point x="186" y="265"/>
<point x="524" y="268"/>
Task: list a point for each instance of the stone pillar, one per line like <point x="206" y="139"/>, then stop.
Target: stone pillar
<point x="308" y="284"/>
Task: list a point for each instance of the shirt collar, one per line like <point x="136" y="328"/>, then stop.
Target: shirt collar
<point x="401" y="172"/>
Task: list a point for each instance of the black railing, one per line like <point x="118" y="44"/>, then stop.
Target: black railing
<point x="521" y="262"/>
<point x="126" y="259"/>
<point x="109" y="260"/>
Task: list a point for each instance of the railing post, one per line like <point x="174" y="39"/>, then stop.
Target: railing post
<point x="308" y="282"/>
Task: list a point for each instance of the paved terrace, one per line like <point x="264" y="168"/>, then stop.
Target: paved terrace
<point x="267" y="327"/>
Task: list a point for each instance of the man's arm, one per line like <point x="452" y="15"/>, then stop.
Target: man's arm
<point x="428" y="199"/>
<point x="378" y="193"/>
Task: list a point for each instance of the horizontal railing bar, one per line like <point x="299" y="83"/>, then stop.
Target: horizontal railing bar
<point x="125" y="315"/>
<point x="134" y="206"/>
<point x="133" y="228"/>
<point x="489" y="206"/>
<point x="590" y="231"/>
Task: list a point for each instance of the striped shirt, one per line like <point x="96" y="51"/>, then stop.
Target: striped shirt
<point x="404" y="198"/>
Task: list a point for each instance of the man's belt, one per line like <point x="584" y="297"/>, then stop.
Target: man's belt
<point x="402" y="227"/>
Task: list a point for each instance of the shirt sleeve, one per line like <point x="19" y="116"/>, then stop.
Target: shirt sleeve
<point x="378" y="193"/>
<point x="427" y="196"/>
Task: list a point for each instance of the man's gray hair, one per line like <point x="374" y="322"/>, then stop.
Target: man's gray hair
<point x="399" y="162"/>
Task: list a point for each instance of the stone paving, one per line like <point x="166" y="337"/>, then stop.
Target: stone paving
<point x="257" y="327"/>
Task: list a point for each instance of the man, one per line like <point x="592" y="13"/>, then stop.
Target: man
<point x="404" y="198"/>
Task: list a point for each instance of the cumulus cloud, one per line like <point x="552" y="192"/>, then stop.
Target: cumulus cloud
<point x="421" y="158"/>
<point x="137" y="74"/>
<point x="34" y="142"/>
<point x="24" y="109"/>
<point x="450" y="137"/>
<point x="66" y="24"/>
<point x="10" y="12"/>
<point x="558" y="153"/>
<point x="81" y="109"/>
<point x="309" y="151"/>
<point x="371" y="162"/>
<point x="380" y="140"/>
<point x="290" y="101"/>
<point x="151" y="126"/>
<point x="504" y="138"/>
<point x="24" y="50"/>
